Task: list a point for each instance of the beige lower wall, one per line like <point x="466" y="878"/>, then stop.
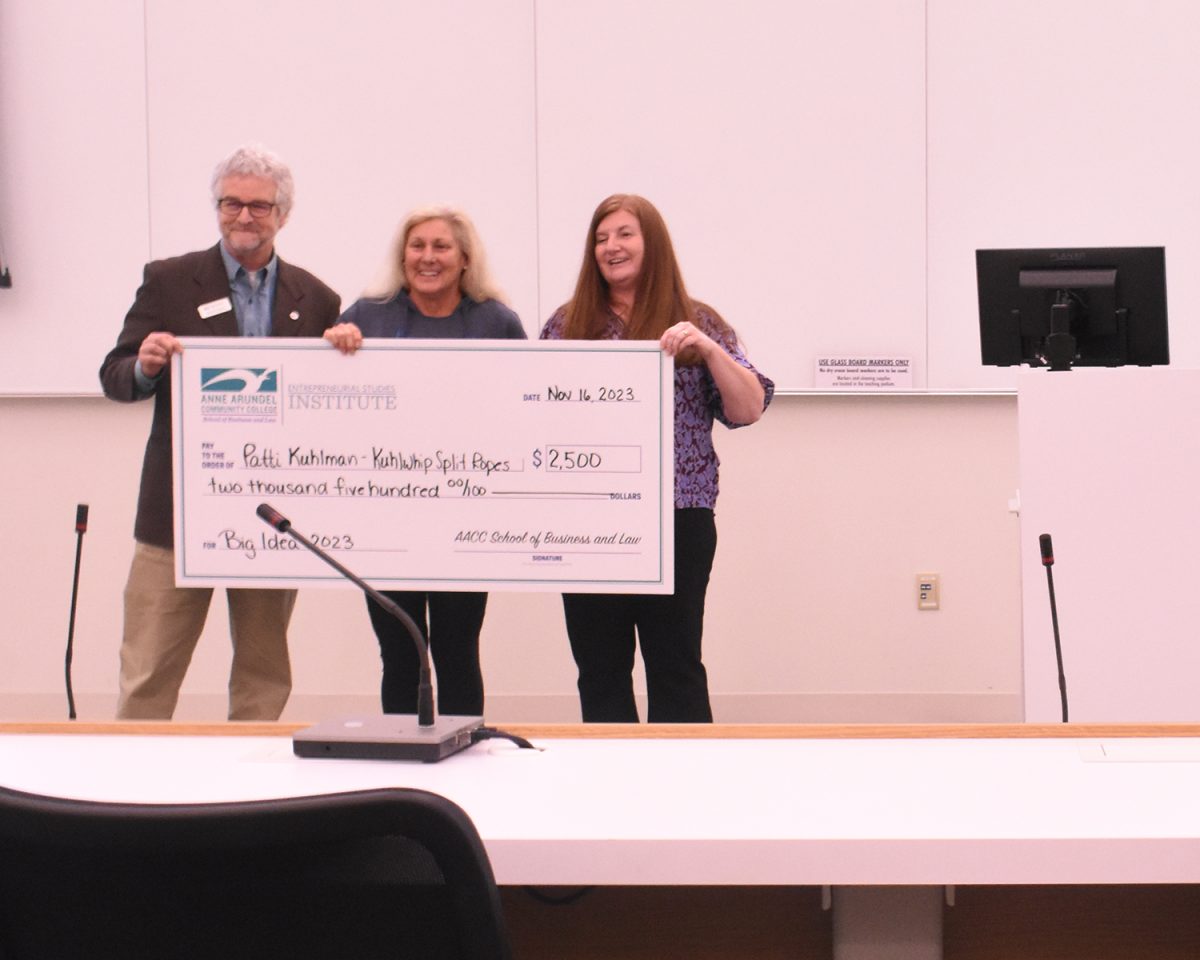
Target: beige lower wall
<point x="830" y="506"/>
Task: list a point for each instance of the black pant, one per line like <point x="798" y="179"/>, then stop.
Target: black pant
<point x="601" y="629"/>
<point x="450" y="623"/>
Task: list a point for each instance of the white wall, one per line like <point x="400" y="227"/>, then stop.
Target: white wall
<point x="882" y="140"/>
<point x="1109" y="474"/>
<point x="74" y="215"/>
<point x="775" y="156"/>
<point x="830" y="507"/>
<point x="1058" y="123"/>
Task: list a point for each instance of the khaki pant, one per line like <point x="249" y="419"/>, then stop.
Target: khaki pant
<point x="163" y="623"/>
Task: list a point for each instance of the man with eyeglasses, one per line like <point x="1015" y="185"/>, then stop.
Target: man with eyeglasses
<point x="239" y="287"/>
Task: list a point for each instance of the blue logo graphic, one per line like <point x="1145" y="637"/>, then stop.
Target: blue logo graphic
<point x="238" y="380"/>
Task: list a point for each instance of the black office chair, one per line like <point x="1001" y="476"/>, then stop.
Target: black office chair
<point x="373" y="874"/>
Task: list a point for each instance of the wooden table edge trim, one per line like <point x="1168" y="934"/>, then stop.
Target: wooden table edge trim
<point x="618" y="731"/>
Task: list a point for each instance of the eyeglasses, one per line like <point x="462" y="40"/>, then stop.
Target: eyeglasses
<point x="232" y="207"/>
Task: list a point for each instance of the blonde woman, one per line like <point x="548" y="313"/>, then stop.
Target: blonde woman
<point x="436" y="285"/>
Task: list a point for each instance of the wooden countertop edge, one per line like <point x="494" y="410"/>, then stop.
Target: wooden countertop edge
<point x="751" y="731"/>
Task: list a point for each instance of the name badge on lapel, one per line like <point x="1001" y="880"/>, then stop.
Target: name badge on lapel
<point x="214" y="308"/>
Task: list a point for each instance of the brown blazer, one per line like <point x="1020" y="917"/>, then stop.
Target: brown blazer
<point x="167" y="300"/>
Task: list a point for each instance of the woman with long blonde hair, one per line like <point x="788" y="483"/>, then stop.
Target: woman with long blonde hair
<point x="435" y="284"/>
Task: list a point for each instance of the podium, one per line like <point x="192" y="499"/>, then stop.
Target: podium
<point x="1110" y="468"/>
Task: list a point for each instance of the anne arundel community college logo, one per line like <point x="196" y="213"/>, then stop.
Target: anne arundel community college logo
<point x="233" y="394"/>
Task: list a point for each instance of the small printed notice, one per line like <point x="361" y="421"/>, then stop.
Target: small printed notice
<point x="864" y="373"/>
<point x="426" y="464"/>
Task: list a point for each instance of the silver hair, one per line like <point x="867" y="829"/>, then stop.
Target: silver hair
<point x="254" y="160"/>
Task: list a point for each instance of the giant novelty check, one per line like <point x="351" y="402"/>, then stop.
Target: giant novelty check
<point x="426" y="464"/>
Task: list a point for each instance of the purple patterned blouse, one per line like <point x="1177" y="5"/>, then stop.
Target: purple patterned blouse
<point x="697" y="404"/>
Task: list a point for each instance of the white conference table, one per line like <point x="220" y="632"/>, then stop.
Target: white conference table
<point x="837" y="807"/>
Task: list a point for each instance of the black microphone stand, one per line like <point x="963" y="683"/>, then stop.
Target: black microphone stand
<point x="1048" y="562"/>
<point x="433" y="739"/>
<point x="81" y="514"/>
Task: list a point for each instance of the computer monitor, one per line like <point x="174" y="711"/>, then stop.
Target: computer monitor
<point x="1082" y="306"/>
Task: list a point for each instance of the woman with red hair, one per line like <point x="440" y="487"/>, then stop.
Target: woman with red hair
<point x="630" y="288"/>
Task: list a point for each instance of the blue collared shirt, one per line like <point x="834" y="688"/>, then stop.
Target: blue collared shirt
<point x="253" y="295"/>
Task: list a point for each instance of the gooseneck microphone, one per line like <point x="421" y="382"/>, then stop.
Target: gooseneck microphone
<point x="5" y="275"/>
<point x="81" y="521"/>
<point x="1047" y="550"/>
<point x="425" y="714"/>
<point x="1048" y="561"/>
<point x="390" y="737"/>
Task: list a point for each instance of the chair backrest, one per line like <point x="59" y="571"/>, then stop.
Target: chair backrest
<point x="393" y="873"/>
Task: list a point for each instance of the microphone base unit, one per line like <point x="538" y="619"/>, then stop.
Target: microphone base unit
<point x="388" y="736"/>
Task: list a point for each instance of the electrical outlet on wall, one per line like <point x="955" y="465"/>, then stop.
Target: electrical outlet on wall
<point x="929" y="591"/>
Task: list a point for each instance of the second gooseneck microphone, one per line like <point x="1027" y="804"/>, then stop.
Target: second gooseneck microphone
<point x="1048" y="561"/>
<point x="81" y="522"/>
